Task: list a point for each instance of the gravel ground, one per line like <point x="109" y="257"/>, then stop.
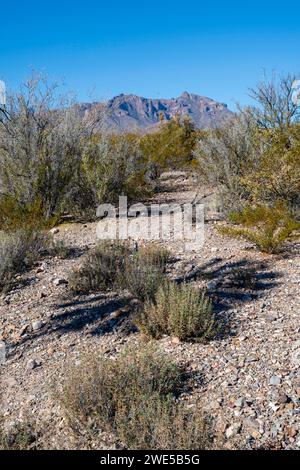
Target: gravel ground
<point x="248" y="378"/>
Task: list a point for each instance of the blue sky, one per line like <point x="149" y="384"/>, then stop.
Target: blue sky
<point x="154" y="49"/>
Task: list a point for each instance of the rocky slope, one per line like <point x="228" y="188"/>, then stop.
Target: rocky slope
<point x="131" y="112"/>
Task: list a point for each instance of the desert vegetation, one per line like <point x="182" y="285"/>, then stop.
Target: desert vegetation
<point x="254" y="163"/>
<point x="57" y="165"/>
<point x="180" y="311"/>
<point x="144" y="414"/>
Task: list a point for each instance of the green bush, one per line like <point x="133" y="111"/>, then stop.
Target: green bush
<point x="268" y="227"/>
<point x="178" y="310"/>
<point x="132" y="396"/>
<point x="18" y="252"/>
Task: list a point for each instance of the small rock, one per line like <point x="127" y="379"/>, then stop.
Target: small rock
<point x="23" y="330"/>
<point x="59" y="281"/>
<point x="54" y="231"/>
<point x="37" y="325"/>
<point x="282" y="398"/>
<point x="233" y="430"/>
<point x="212" y="284"/>
<point x="2" y="352"/>
<point x="275" y="380"/>
<point x="240" y="402"/>
<point x="32" y="364"/>
<point x="175" y="340"/>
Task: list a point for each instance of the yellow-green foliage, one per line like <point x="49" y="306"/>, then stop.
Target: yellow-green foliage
<point x="170" y="147"/>
<point x="276" y="174"/>
<point x="268" y="227"/>
<point x="14" y="215"/>
<point x="178" y="310"/>
<point x="132" y="396"/>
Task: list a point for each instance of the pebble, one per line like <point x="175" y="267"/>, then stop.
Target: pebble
<point x="240" y="402"/>
<point x="2" y="352"/>
<point x="59" y="281"/>
<point x="32" y="364"/>
<point x="275" y="380"/>
<point x="37" y="325"/>
<point x="233" y="430"/>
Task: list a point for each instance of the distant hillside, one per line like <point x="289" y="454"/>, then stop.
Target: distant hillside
<point x="131" y="112"/>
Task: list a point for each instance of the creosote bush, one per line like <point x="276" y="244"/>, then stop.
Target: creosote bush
<point x="18" y="252"/>
<point x="178" y="310"/>
<point x="268" y="227"/>
<point x="133" y="397"/>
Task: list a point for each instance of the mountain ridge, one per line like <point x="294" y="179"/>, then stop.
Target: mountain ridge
<point x="129" y="112"/>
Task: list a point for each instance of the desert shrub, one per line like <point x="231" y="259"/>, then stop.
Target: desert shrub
<point x="18" y="251"/>
<point x="42" y="139"/>
<point x="153" y="254"/>
<point x="170" y="147"/>
<point x="142" y="279"/>
<point x="276" y="175"/>
<point x="109" y="385"/>
<point x="117" y="265"/>
<point x="103" y="267"/>
<point x="162" y="424"/>
<point x="15" y="215"/>
<point x="268" y="227"/>
<point x="178" y="310"/>
<point x="21" y="436"/>
<point x="225" y="155"/>
<point x="255" y="157"/>
<point x="131" y="396"/>
<point x="114" y="165"/>
<point x="144" y="271"/>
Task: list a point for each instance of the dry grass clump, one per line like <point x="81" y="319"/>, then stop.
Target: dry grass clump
<point x="178" y="310"/>
<point x="133" y="397"/>
<point x="142" y="279"/>
<point x="19" y="251"/>
<point x="102" y="268"/>
<point x="154" y="254"/>
<point x="117" y="265"/>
